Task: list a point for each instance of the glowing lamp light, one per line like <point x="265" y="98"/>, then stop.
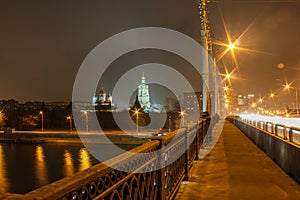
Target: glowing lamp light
<point x="287" y="120"/>
<point x="280" y="66"/>
<point x="287" y="86"/>
<point x="231" y="46"/>
<point x="228" y="76"/>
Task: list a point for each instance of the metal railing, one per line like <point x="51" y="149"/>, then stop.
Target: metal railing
<point x="291" y="134"/>
<point x="102" y="182"/>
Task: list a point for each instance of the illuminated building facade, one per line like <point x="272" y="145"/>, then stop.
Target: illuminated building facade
<point x="143" y="94"/>
<point x="103" y="101"/>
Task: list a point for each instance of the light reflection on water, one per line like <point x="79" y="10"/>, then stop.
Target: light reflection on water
<point x="85" y="161"/>
<point x="25" y="167"/>
<point x="69" y="165"/>
<point x="3" y="180"/>
<point x="41" y="168"/>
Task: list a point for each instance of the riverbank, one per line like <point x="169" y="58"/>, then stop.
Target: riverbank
<point x="107" y="137"/>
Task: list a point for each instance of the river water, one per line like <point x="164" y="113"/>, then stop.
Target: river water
<point x="25" y="167"/>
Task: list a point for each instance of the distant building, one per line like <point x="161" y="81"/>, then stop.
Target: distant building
<point x="56" y="105"/>
<point x="103" y="101"/>
<point x="192" y="101"/>
<point x="143" y="94"/>
<point x="243" y="100"/>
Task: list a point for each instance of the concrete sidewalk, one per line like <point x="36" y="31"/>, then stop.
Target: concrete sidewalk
<point x="237" y="169"/>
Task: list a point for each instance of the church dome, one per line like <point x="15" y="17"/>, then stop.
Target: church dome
<point x="102" y="91"/>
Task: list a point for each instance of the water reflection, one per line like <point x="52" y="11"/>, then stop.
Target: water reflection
<point x="25" y="167"/>
<point x="69" y="165"/>
<point x="84" y="159"/>
<point x="41" y="167"/>
<point x="3" y="180"/>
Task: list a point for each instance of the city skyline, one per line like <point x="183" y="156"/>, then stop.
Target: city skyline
<point x="191" y="99"/>
<point x="44" y="44"/>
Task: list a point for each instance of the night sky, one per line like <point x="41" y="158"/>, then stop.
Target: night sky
<point x="43" y="43"/>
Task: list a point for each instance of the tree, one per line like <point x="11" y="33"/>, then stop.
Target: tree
<point x="29" y="121"/>
<point x="171" y="105"/>
<point x="2" y="119"/>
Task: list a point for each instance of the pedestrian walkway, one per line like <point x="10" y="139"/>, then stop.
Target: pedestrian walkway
<point x="237" y="169"/>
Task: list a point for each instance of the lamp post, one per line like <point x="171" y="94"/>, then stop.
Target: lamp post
<point x="182" y="116"/>
<point x="227" y="100"/>
<point x="205" y="42"/>
<point x="288" y="87"/>
<point x="86" y="121"/>
<point x="272" y="95"/>
<point x="137" y="121"/>
<point x="42" y="115"/>
<point x="70" y="122"/>
<point x="297" y="107"/>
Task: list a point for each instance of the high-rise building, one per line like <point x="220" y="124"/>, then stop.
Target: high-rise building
<point x="193" y="101"/>
<point x="143" y="93"/>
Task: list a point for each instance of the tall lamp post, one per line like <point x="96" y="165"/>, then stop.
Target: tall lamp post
<point x="297" y="106"/>
<point x="42" y="115"/>
<point x="137" y="121"/>
<point x="70" y="122"/>
<point x="288" y="87"/>
<point x="86" y="121"/>
<point x="206" y="44"/>
<point x="182" y="116"/>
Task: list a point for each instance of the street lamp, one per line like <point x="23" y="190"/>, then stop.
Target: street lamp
<point x="228" y="76"/>
<point x="231" y="46"/>
<point x="272" y="95"/>
<point x="226" y="88"/>
<point x="42" y="115"/>
<point x="182" y="115"/>
<point x="70" y="121"/>
<point x="288" y="87"/>
<point x="86" y="121"/>
<point x="137" y="120"/>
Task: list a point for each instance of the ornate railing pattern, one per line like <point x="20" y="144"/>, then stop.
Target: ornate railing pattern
<point x="177" y="150"/>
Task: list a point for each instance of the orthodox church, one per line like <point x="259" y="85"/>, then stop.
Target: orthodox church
<point x="103" y="101"/>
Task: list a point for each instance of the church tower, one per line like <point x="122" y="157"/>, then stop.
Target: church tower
<point x="143" y="93"/>
<point x="102" y="96"/>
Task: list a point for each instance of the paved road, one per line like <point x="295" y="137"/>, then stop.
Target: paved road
<point x="237" y="169"/>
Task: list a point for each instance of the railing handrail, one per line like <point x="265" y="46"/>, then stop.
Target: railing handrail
<point x="84" y="184"/>
<point x="71" y="183"/>
<point x="287" y="131"/>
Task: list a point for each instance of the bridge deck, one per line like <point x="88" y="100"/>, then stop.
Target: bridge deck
<point x="237" y="169"/>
